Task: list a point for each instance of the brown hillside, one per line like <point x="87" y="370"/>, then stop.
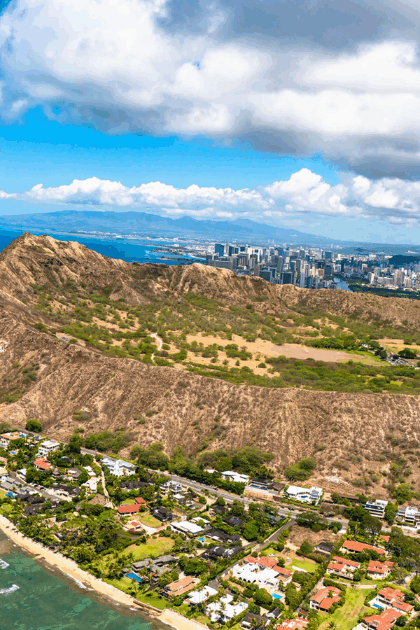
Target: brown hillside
<point x="355" y="437"/>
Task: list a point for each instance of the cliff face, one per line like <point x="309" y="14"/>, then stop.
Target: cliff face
<point x="349" y="434"/>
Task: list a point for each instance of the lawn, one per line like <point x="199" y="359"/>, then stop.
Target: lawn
<point x="268" y="551"/>
<point x="148" y="519"/>
<point x="345" y="617"/>
<point x="302" y="564"/>
<point x="152" y="549"/>
<point x="153" y="599"/>
<point x="2" y="493"/>
<point x="6" y="508"/>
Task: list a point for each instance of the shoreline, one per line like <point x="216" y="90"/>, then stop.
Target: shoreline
<point x="70" y="569"/>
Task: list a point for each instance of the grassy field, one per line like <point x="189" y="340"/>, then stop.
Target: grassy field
<point x="346" y="616"/>
<point x="152" y="549"/>
<point x="148" y="519"/>
<point x="6" y="509"/>
<point x="268" y="551"/>
<point x="2" y="493"/>
<point x="303" y="564"/>
<point x="153" y="599"/>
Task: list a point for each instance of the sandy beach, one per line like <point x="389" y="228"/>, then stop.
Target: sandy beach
<point x="70" y="568"/>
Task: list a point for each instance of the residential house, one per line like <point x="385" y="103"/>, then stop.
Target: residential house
<point x="324" y="548"/>
<point x="41" y="464"/>
<point x="91" y="484"/>
<point x="180" y="586"/>
<point x="141" y="564"/>
<point x="392" y="598"/>
<point x="353" y="546"/>
<point x="118" y="467"/>
<point x="128" y="509"/>
<point x="325" y="598"/>
<point x="304" y="495"/>
<point x="221" y="553"/>
<point x="6" y="438"/>
<point x="275" y="613"/>
<point x="73" y="473"/>
<point x="378" y="570"/>
<point x="219" y="509"/>
<point x="195" y="598"/>
<point x="223" y="610"/>
<point x="162" y="514"/>
<point x="254" y="621"/>
<point x="254" y="574"/>
<point x="233" y="521"/>
<point x="229" y="475"/>
<point x="293" y="624"/>
<point x="221" y="536"/>
<point x="343" y="567"/>
<point x="186" y="527"/>
<point x="376" y="508"/>
<point x="135" y="485"/>
<point x="140" y="501"/>
<point x="66" y="491"/>
<point x="384" y="621"/>
<point x="409" y="514"/>
<point x="263" y="561"/>
<point x="47" y="447"/>
<point x="171" y="486"/>
<point x="283" y="575"/>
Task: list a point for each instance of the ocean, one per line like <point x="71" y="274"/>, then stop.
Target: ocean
<point x="126" y="248"/>
<point x="47" y="600"/>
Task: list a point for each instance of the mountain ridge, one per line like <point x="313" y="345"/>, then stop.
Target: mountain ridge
<point x="48" y="378"/>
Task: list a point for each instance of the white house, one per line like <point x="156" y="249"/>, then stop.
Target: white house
<point x="253" y="574"/>
<point x="199" y="597"/>
<point x="223" y="610"/>
<point x="47" y="447"/>
<point x="305" y="495"/>
<point x="186" y="527"/>
<point x="173" y="486"/>
<point x="409" y="514"/>
<point x="376" y="508"/>
<point x="229" y="475"/>
<point x="91" y="484"/>
<point x="21" y="474"/>
<point x="118" y="467"/>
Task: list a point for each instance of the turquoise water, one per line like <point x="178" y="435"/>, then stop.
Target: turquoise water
<point x="130" y="250"/>
<point x="50" y="601"/>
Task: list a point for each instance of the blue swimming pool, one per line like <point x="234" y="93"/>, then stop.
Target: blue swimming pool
<point x="133" y="576"/>
<point x="376" y="606"/>
<point x="276" y="596"/>
<point x="202" y="539"/>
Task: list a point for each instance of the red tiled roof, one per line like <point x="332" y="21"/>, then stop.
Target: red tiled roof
<point x="293" y="624"/>
<point x="338" y="564"/>
<point x="375" y="566"/>
<point x="269" y="563"/>
<point x="128" y="509"/>
<point x="322" y="597"/>
<point x="42" y="463"/>
<point x="384" y="621"/>
<point x="353" y="545"/>
<point x="140" y="500"/>
<point x="395" y="598"/>
<point x="385" y="538"/>
<point x="282" y="571"/>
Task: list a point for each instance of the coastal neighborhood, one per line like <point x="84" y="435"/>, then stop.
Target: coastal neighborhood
<point x="264" y="554"/>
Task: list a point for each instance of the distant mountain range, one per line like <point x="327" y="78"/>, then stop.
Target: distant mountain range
<point x="142" y="223"/>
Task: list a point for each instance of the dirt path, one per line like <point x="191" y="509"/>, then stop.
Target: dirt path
<point x="159" y="341"/>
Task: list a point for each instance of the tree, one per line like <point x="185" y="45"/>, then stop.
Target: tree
<point x="403" y="493"/>
<point x="262" y="598"/>
<point x="390" y="512"/>
<point x="415" y="585"/>
<point x="250" y="531"/>
<point x="401" y="621"/>
<point x="306" y="548"/>
<point x="372" y="525"/>
<point x="220" y="501"/>
<point x="33" y="425"/>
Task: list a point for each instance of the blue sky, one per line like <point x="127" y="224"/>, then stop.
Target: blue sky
<point x="296" y="114"/>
